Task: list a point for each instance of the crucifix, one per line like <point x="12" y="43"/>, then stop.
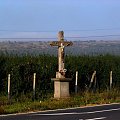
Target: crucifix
<point x="61" y="52"/>
<point x="61" y="84"/>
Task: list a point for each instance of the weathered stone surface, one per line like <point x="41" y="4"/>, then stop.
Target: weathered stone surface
<point x="61" y="89"/>
<point x="61" y="84"/>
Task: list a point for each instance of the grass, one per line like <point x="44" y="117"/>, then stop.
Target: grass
<point x="81" y="99"/>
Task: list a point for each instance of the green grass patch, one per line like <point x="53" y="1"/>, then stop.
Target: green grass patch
<point x="81" y="99"/>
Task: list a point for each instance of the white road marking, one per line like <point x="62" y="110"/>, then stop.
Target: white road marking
<point x="58" y="114"/>
<point x="58" y="110"/>
<point x="76" y="113"/>
<point x="109" y="110"/>
<point x="101" y="118"/>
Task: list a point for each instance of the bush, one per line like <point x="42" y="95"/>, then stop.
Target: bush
<point x="2" y="110"/>
<point x="22" y="68"/>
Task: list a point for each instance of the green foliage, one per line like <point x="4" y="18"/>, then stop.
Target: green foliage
<point x="86" y="65"/>
<point x="22" y="67"/>
<point x="82" y="99"/>
<point x="2" y="110"/>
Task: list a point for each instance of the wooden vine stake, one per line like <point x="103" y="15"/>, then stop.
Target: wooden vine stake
<point x="76" y="82"/>
<point x="34" y="80"/>
<point x="110" y="80"/>
<point x="8" y="87"/>
<point x="92" y="79"/>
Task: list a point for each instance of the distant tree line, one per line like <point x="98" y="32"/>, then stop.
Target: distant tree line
<point x="45" y="66"/>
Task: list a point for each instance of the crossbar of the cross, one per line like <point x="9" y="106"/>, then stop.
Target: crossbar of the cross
<point x="58" y="43"/>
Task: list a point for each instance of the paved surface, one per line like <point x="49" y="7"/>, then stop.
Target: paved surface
<point x="104" y="112"/>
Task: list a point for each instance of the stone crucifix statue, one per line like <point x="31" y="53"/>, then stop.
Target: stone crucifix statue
<point x="61" y="83"/>
<point x="61" y="53"/>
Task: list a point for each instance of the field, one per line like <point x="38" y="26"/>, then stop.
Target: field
<point x="22" y="66"/>
<point x="79" y="47"/>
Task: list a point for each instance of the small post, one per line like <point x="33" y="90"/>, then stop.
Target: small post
<point x="93" y="76"/>
<point x="95" y="83"/>
<point x="76" y="81"/>
<point x="8" y="87"/>
<point x="110" y="80"/>
<point x="34" y="80"/>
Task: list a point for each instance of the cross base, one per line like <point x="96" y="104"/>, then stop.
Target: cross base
<point x="61" y="89"/>
<point x="61" y="86"/>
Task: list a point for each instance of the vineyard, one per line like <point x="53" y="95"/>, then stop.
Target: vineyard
<point x="21" y="68"/>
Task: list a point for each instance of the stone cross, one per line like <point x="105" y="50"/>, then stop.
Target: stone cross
<point x="61" y="83"/>
<point x="61" y="46"/>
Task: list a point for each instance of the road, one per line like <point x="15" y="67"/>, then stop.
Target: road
<point x="102" y="112"/>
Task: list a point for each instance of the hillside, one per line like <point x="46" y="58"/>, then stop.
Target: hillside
<point x="78" y="48"/>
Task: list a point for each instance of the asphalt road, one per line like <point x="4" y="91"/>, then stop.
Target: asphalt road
<point x="103" y="112"/>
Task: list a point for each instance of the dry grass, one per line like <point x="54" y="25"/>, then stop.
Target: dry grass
<point x="84" y="99"/>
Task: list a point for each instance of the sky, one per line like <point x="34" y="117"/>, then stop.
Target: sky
<point x="79" y="19"/>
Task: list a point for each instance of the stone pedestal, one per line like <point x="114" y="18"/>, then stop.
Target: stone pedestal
<point x="61" y="87"/>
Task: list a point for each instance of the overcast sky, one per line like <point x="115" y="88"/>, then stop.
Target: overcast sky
<point x="44" y="18"/>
